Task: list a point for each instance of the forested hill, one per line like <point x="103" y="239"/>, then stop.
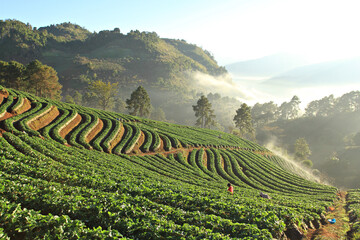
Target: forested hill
<point x="80" y="56"/>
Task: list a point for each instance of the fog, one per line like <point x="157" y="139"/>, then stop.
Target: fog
<point x="291" y="165"/>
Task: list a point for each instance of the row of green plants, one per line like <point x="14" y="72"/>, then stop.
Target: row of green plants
<point x="353" y="208"/>
<point x="152" y="196"/>
<point x="22" y="190"/>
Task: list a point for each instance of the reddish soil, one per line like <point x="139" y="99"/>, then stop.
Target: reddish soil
<point x="117" y="138"/>
<point x="185" y="153"/>
<point x="264" y="153"/>
<point x="6" y="116"/>
<point x="42" y="121"/>
<point x="4" y="93"/>
<point x="161" y="148"/>
<point x="222" y="162"/>
<point x="205" y="159"/>
<point x="333" y="231"/>
<point x="139" y="143"/>
<point x="97" y="128"/>
<point x="70" y="126"/>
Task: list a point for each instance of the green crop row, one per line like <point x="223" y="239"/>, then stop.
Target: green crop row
<point x="353" y="209"/>
<point x="5" y="105"/>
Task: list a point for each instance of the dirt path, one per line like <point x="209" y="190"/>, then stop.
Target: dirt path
<point x="336" y="231"/>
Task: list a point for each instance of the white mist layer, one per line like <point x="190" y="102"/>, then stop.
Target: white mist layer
<point x="293" y="166"/>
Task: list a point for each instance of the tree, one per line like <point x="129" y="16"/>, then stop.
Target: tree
<point x="264" y="113"/>
<point x="104" y="93"/>
<point x="323" y="107"/>
<point x="12" y="74"/>
<point x="158" y="114"/>
<point x="204" y="113"/>
<point x="243" y="121"/>
<point x="78" y="98"/>
<point x="69" y="99"/>
<point x="139" y="103"/>
<point x="43" y="80"/>
<point x="290" y="110"/>
<point x="349" y="102"/>
<point x="302" y="150"/>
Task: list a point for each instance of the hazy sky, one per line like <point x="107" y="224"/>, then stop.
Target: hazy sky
<point x="232" y="30"/>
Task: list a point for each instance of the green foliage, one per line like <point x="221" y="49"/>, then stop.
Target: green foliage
<point x="139" y="103"/>
<point x="204" y="113"/>
<point x="66" y="32"/>
<point x="290" y="110"/>
<point x="104" y="93"/>
<point x="243" y="121"/>
<point x="51" y="190"/>
<point x="301" y="149"/>
<point x="307" y="163"/>
<point x="35" y="77"/>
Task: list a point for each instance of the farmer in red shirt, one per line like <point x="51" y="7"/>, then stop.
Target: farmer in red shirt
<point x="230" y="189"/>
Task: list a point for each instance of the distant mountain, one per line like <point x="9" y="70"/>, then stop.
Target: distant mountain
<point x="327" y="73"/>
<point x="265" y="67"/>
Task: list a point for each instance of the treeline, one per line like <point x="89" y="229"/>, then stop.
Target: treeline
<point x="265" y="113"/>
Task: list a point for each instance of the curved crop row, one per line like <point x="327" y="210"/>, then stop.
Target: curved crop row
<point x="19" y="102"/>
<point x="166" y="141"/>
<point x="45" y="132"/>
<point x="133" y="139"/>
<point x="86" y="131"/>
<point x="96" y="142"/>
<point x="6" y="105"/>
<point x="23" y="124"/>
<point x="155" y="145"/>
<point x="145" y="147"/>
<point x="55" y="131"/>
<point x="126" y="137"/>
<point x="9" y="123"/>
<point x="74" y="136"/>
<point x="116" y="127"/>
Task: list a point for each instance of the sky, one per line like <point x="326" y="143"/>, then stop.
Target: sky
<point x="232" y="30"/>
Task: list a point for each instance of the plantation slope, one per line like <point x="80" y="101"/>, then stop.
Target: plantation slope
<point x="161" y="180"/>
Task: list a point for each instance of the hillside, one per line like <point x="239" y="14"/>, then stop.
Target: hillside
<point x="326" y="137"/>
<point x="93" y="174"/>
<point x="80" y="56"/>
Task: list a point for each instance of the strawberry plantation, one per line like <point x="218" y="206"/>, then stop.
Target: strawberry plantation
<point x="85" y="173"/>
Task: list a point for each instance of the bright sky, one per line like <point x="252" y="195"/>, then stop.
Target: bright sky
<point x="232" y="30"/>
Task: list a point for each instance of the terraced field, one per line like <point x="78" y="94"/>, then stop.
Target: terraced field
<point x="70" y="172"/>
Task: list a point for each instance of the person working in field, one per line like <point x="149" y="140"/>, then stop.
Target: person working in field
<point x="231" y="188"/>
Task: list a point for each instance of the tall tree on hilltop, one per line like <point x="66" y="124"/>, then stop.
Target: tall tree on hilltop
<point x="43" y="80"/>
<point x="204" y="113"/>
<point x="104" y="93"/>
<point x="139" y="103"/>
<point x="243" y="121"/>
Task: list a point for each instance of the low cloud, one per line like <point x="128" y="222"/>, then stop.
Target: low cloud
<point x="224" y="85"/>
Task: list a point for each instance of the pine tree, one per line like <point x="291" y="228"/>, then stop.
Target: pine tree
<point x="204" y="113"/>
<point x="243" y="121"/>
<point x="139" y="103"/>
